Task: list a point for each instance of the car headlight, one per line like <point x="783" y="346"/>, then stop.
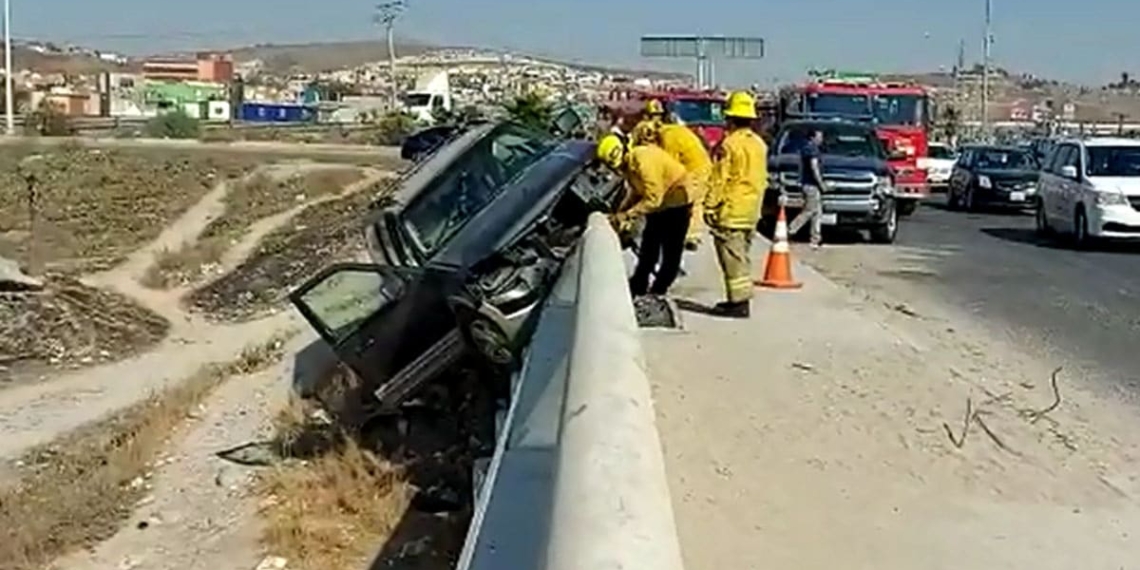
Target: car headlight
<point x="984" y="182"/>
<point x="883" y="186"/>
<point x="1111" y="199"/>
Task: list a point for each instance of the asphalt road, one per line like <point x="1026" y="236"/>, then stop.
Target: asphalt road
<point x="1077" y="308"/>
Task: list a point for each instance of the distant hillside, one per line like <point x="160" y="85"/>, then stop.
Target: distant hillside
<point x="314" y="57"/>
<point x="72" y="64"/>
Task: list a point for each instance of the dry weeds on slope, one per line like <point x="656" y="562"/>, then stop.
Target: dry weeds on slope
<point x="68" y="325"/>
<point x="317" y="236"/>
<point x="256" y="198"/>
<point x="92" y="207"/>
<point x="79" y="489"/>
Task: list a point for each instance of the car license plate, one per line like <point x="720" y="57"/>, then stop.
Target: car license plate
<point x="829" y="219"/>
<point x="1017" y="196"/>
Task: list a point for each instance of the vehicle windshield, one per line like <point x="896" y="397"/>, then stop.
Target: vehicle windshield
<point x="838" y="104"/>
<point x="940" y="152"/>
<point x="469" y="184"/>
<point x="1004" y="159"/>
<point x="843" y="140"/>
<point x="698" y="111"/>
<point x="1113" y="161"/>
<point x="898" y="109"/>
<point x="416" y="99"/>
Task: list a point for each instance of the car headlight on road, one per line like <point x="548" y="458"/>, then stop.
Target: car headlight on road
<point x="984" y="182"/>
<point x="1111" y="199"/>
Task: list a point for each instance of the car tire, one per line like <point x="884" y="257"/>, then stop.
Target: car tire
<point x="1042" y="221"/>
<point x="907" y="207"/>
<point x="886" y="232"/>
<point x="1081" y="239"/>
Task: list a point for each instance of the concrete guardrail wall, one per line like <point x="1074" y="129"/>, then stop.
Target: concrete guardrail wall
<point x="577" y="481"/>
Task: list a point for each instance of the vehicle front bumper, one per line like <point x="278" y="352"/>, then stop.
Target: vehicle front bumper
<point x="1114" y="222"/>
<point x="1022" y="199"/>
<point x="912" y="191"/>
<point x="862" y="211"/>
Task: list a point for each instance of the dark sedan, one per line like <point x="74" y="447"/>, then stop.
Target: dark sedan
<point x="463" y="253"/>
<point x="993" y="176"/>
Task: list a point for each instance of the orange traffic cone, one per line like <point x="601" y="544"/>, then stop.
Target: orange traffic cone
<point x="778" y="268"/>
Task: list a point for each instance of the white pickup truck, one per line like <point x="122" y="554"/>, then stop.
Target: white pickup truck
<point x="938" y="163"/>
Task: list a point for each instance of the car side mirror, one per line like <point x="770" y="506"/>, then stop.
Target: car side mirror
<point x="1069" y="171"/>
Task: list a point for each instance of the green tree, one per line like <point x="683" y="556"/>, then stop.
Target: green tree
<point x="531" y="110"/>
<point x="393" y="128"/>
<point x="173" y="125"/>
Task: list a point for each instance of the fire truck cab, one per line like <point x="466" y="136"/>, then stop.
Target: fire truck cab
<point x="901" y="112"/>
<point x="702" y="111"/>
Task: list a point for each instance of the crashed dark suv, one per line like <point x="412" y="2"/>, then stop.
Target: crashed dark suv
<point x="463" y="254"/>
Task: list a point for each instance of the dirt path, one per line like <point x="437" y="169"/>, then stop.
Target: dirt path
<point x="820" y="421"/>
<point x="199" y="515"/>
<point x="36" y="413"/>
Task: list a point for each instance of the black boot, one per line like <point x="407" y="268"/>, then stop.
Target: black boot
<point x="737" y="310"/>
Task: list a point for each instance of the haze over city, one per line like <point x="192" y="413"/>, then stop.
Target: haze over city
<point x="1090" y="42"/>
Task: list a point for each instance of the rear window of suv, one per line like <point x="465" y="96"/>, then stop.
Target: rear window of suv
<point x="1113" y="161"/>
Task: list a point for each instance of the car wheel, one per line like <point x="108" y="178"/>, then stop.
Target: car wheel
<point x="907" y="207"/>
<point x="1081" y="229"/>
<point x="889" y="229"/>
<point x="1042" y="220"/>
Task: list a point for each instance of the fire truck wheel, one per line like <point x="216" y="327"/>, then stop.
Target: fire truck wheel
<point x="907" y="207"/>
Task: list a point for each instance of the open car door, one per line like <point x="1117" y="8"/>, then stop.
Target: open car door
<point x="391" y="325"/>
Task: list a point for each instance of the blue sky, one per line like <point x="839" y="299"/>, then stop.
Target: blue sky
<point x="1089" y="41"/>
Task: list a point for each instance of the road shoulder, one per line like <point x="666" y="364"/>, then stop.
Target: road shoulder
<point x="819" y="421"/>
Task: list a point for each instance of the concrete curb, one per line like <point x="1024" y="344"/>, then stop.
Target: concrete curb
<point x="612" y="506"/>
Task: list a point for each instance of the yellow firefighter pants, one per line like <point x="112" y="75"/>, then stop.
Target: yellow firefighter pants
<point x="733" y="251"/>
<point x="698" y="187"/>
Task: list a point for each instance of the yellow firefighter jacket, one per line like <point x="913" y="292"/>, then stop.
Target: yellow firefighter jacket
<point x="644" y="132"/>
<point x="740" y="177"/>
<point x="684" y="145"/>
<point x="657" y="181"/>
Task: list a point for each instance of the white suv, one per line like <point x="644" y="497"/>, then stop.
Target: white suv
<point x="1091" y="189"/>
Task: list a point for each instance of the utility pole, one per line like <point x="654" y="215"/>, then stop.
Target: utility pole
<point x="987" y="41"/>
<point x="9" y="101"/>
<point x="386" y="14"/>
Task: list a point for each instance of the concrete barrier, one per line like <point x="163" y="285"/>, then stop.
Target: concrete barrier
<point x="578" y="478"/>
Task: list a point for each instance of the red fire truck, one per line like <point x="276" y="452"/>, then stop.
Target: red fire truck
<point x="902" y="114"/>
<point x="702" y="111"/>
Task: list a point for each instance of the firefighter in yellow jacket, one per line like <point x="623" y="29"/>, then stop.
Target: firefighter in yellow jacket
<point x="732" y="205"/>
<point x="645" y="131"/>
<point x="684" y="145"/>
<point x="658" y="185"/>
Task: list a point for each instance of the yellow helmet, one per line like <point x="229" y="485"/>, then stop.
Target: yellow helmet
<point x="654" y="107"/>
<point x="741" y="105"/>
<point x="611" y="151"/>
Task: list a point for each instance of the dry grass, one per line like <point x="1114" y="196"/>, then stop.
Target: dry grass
<point x="69" y="325"/>
<point x="255" y="198"/>
<point x="333" y="510"/>
<point x="96" y="206"/>
<point x="79" y="489"/>
<point x="320" y="234"/>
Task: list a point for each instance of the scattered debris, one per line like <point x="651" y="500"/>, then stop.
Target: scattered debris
<point x="905" y="309"/>
<point x="12" y="279"/>
<point x="70" y="325"/>
<point x="654" y="311"/>
<point x="803" y="366"/>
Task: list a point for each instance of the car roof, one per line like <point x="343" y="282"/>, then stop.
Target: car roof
<point x="998" y="147"/>
<point x="823" y="123"/>
<point x="1105" y="141"/>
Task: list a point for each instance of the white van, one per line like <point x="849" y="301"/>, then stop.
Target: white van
<point x="1090" y="189"/>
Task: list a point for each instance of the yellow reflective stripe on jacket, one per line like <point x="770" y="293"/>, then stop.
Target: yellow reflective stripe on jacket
<point x="658" y="181"/>
<point x="740" y="177"/>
